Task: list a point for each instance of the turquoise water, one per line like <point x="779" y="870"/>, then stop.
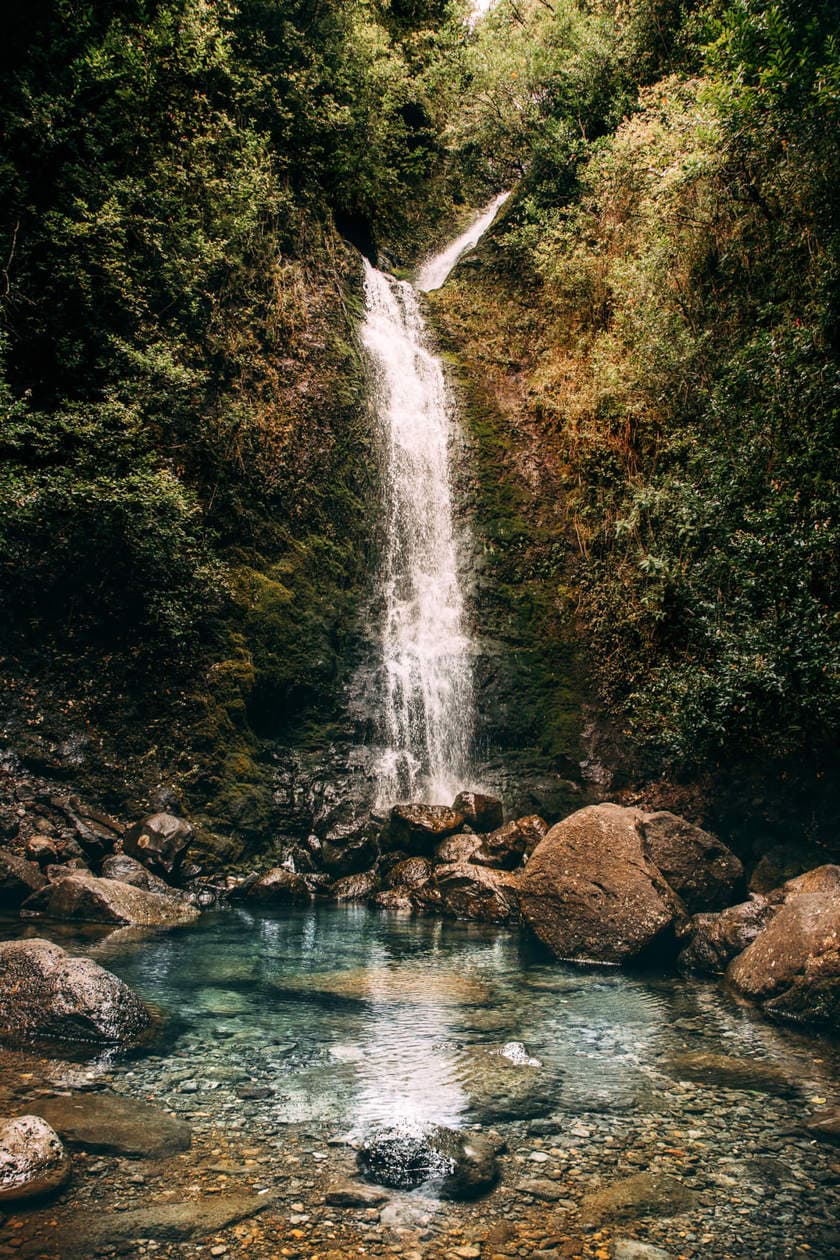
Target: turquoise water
<point x="354" y="1019"/>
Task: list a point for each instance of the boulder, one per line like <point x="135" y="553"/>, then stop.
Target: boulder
<point x="116" y="1125"/>
<point x="350" y="846"/>
<point x="159" y="842"/>
<point x="482" y="813"/>
<point x="42" y="849"/>
<point x="822" y="879"/>
<point x="453" y="1164"/>
<point x="33" y="1161"/>
<point x="824" y="1125"/>
<point x="127" y="870"/>
<point x="457" y="849"/>
<point x="643" y="1194"/>
<point x="793" y="967"/>
<point x="715" y="939"/>
<point x="45" y="993"/>
<point x="410" y="873"/>
<point x="502" y="1085"/>
<point x="81" y="897"/>
<point x="355" y="887"/>
<point x="730" y="1072"/>
<point x="508" y="846"/>
<point x="702" y="871"/>
<point x="465" y="891"/>
<point x="18" y="878"/>
<point x="279" y="887"/>
<point x="590" y="893"/>
<point x="418" y="828"/>
<point x="394" y="899"/>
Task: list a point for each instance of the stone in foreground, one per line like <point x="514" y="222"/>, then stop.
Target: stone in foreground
<point x="33" y="1161"/>
<point x="113" y="1124"/>
<point x="590" y="893"/>
<point x="47" y="994"/>
<point x="354" y="1194"/>
<point x="453" y="1164"/>
<point x="163" y="1222"/>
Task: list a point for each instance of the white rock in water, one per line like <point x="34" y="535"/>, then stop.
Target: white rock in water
<point x="516" y="1053"/>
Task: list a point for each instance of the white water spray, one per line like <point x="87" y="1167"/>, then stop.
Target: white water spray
<point x="435" y="270"/>
<point x="427" y="705"/>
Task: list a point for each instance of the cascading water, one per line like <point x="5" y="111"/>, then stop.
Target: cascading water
<point x="427" y="700"/>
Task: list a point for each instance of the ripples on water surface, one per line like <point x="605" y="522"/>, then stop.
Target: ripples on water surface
<point x="359" y="1019"/>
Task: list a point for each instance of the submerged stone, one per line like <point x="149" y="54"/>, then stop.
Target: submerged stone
<point x="397" y="985"/>
<point x="114" y="1124"/>
<point x="644" y="1194"/>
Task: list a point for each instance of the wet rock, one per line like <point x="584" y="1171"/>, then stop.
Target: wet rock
<point x="353" y="1194"/>
<point x="33" y="1161"/>
<point x="508" y="846"/>
<point x="644" y="1194"/>
<point x="793" y="967"/>
<point x="482" y="813"/>
<point x="164" y="1222"/>
<point x="94" y="831"/>
<point x="350" y="845"/>
<point x="418" y="828"/>
<point x="355" y="887"/>
<point x="457" y="849"/>
<point x="590" y="893"/>
<point x="453" y="1164"/>
<point x="542" y="1188"/>
<point x="85" y="898"/>
<point x="47" y="994"/>
<point x="822" y="879"/>
<point x="465" y="891"/>
<point x="116" y="1125"/>
<point x="280" y="887"/>
<point x="42" y="849"/>
<point x="632" y="1249"/>
<point x="715" y="939"/>
<point x="700" y="868"/>
<point x="825" y="1125"/>
<point x="398" y="985"/>
<point x="393" y="899"/>
<point x="725" y="1070"/>
<point x="18" y="878"/>
<point x="159" y="842"/>
<point x="498" y="1087"/>
<point x="410" y="873"/>
<point x="126" y="870"/>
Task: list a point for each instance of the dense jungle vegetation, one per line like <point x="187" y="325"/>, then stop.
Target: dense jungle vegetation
<point x="185" y="494"/>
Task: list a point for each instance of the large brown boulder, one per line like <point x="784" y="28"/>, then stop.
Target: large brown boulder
<point x="698" y="866"/>
<point x="418" y="828"/>
<point x="279" y="887"/>
<point x="457" y="848"/>
<point x="359" y="887"/>
<point x="508" y="846"/>
<point x="32" y="1160"/>
<point x="465" y="891"/>
<point x="18" y="878"/>
<point x="590" y="893"/>
<point x="159" y="842"/>
<point x="81" y="897"/>
<point x="127" y="870"/>
<point x="45" y="993"/>
<point x="793" y="967"/>
<point x="482" y="813"/>
<point x="715" y="939"/>
<point x="410" y="873"/>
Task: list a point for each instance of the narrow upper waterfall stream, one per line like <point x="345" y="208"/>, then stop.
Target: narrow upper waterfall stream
<point x="427" y="700"/>
<point x="434" y="271"/>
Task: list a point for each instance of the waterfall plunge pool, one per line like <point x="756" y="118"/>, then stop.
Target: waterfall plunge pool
<point x="291" y="1028"/>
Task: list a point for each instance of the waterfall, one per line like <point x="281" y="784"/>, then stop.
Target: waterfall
<point x="427" y="701"/>
<point x="434" y="271"/>
<point x="426" y="697"/>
